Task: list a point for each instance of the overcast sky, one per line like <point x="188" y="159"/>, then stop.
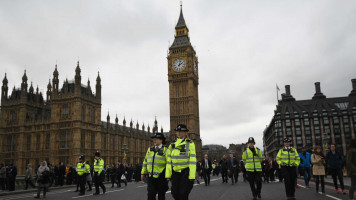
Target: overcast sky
<point x="244" y="49"/>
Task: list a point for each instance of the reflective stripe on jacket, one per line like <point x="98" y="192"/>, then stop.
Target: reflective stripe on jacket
<point x="155" y="162"/>
<point x="252" y="162"/>
<point x="182" y="155"/>
<point x="288" y="157"/>
<point x="98" y="165"/>
<point x="80" y="168"/>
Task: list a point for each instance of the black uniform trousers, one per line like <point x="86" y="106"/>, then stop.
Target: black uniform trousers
<point x="98" y="180"/>
<point x="255" y="180"/>
<point x="157" y="186"/>
<point x="81" y="181"/>
<point x="181" y="185"/>
<point x="289" y="175"/>
<point x="224" y="175"/>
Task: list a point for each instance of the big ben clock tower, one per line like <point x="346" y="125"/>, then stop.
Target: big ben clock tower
<point x="183" y="78"/>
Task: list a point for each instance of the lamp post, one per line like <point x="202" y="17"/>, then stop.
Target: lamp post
<point x="124" y="151"/>
<point x="326" y="142"/>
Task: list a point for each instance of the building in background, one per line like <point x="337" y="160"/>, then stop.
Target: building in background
<point x="317" y="121"/>
<point x="237" y="149"/>
<point x="215" y="151"/>
<point x="183" y="78"/>
<point x="64" y="125"/>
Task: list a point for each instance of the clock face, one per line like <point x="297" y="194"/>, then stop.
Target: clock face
<point x="195" y="67"/>
<point x="179" y="64"/>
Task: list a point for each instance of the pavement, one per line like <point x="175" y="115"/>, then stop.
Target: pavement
<point x="216" y="191"/>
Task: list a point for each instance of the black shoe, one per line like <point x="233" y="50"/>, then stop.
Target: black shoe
<point x="259" y="195"/>
<point x="104" y="190"/>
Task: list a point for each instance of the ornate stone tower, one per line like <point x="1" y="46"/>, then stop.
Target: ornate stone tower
<point x="183" y="81"/>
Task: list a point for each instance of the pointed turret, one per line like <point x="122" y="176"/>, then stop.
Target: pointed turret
<point x="4" y="88"/>
<point x="181" y="21"/>
<point x="124" y="122"/>
<point x="88" y="87"/>
<point x="108" y="118"/>
<point x="161" y="129"/>
<point x="131" y="124"/>
<point x="353" y="92"/>
<point x="116" y="120"/>
<point x="182" y="33"/>
<point x="37" y="90"/>
<point x="77" y="75"/>
<point x="49" y="91"/>
<point x="98" y="87"/>
<point x="31" y="88"/>
<point x="143" y="127"/>
<point x="148" y="128"/>
<point x="137" y="126"/>
<point x="55" y="80"/>
<point x="24" y="83"/>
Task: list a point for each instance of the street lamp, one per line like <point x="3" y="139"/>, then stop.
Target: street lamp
<point x="124" y="151"/>
<point x="326" y="142"/>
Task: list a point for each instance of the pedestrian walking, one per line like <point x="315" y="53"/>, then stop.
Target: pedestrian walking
<point x="99" y="174"/>
<point x="42" y="179"/>
<point x="61" y="173"/>
<point x="113" y="175"/>
<point x="28" y="177"/>
<point x="198" y="172"/>
<point x="233" y="168"/>
<point x="351" y="166"/>
<point x="265" y="169"/>
<point x="318" y="161"/>
<point x="81" y="175"/>
<point x="88" y="176"/>
<point x="154" y="165"/>
<point x="206" y="169"/>
<point x="223" y="164"/>
<point x="181" y="164"/>
<point x="305" y="164"/>
<point x="121" y="174"/>
<point x="288" y="159"/>
<point x="335" y="162"/>
<point x="252" y="158"/>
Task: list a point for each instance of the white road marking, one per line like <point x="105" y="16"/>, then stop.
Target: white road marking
<point x="141" y="186"/>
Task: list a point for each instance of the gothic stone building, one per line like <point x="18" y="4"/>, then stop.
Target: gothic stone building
<point x="317" y="121"/>
<point x="64" y="125"/>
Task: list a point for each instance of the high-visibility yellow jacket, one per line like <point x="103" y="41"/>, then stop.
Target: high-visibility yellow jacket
<point x="252" y="162"/>
<point x="213" y="165"/>
<point x="98" y="165"/>
<point x="288" y="156"/>
<point x="86" y="169"/>
<point x="155" y="161"/>
<point x="182" y="155"/>
<point x="80" y="168"/>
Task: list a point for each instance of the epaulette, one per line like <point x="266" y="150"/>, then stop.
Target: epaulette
<point x="258" y="148"/>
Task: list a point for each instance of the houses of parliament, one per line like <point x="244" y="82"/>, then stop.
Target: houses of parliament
<point x="67" y="123"/>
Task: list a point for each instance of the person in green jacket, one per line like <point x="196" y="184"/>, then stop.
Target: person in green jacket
<point x="252" y="158"/>
<point x="288" y="158"/>
<point x="155" y="166"/>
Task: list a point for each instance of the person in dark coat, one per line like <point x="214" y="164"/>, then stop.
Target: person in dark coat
<point x="61" y="173"/>
<point x="223" y="164"/>
<point x="198" y="172"/>
<point x="12" y="177"/>
<point x="113" y="175"/>
<point x="265" y="169"/>
<point x="335" y="162"/>
<point x="120" y="173"/>
<point x="233" y="167"/>
<point x="206" y="168"/>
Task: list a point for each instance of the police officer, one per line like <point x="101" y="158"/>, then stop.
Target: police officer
<point x="81" y="175"/>
<point x="155" y="165"/>
<point x="87" y="175"/>
<point x="181" y="164"/>
<point x="99" y="175"/>
<point x="252" y="158"/>
<point x="289" y="160"/>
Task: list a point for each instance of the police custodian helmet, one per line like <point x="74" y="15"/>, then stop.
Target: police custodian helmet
<point x="287" y="140"/>
<point x="181" y="127"/>
<point x="159" y="136"/>
<point x="251" y="139"/>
